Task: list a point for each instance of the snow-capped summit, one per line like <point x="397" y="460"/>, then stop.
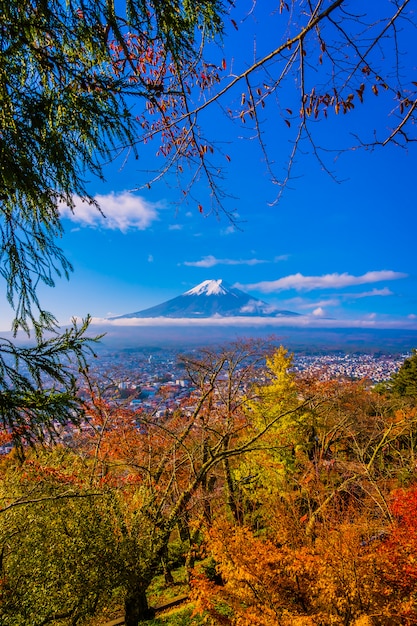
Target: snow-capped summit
<point x="208" y="288"/>
<point x="211" y="298"/>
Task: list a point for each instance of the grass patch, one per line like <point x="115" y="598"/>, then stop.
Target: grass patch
<point x="160" y="593"/>
<point x="181" y="616"/>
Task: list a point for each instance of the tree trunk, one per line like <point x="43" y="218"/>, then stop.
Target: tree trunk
<point x="183" y="528"/>
<point x="232" y="492"/>
<point x="169" y="579"/>
<point x="136" y="605"/>
<point x="189" y="564"/>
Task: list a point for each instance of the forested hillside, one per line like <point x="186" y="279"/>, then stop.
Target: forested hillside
<point x="285" y="499"/>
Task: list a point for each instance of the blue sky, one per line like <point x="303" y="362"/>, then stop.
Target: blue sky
<point x="341" y="252"/>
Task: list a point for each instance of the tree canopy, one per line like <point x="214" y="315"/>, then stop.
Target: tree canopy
<point x="67" y="71"/>
<point x="404" y="382"/>
<point x="289" y="500"/>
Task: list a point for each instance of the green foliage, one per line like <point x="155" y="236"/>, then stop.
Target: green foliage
<point x="63" y="109"/>
<point x="404" y="382"/>
<point x="176" y="553"/>
<point x="160" y="592"/>
<point x="60" y="114"/>
<point x="209" y="568"/>
<point x="68" y="548"/>
<point x="38" y="385"/>
<point x="66" y="73"/>
<point x="58" y="550"/>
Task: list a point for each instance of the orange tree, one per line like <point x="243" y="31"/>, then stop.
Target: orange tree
<point x="286" y="482"/>
<point x="399" y="571"/>
<point x="319" y="538"/>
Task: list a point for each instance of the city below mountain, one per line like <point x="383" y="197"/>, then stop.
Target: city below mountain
<point x="211" y="298"/>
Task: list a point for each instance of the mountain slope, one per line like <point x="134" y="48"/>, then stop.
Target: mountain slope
<point x="211" y="298"/>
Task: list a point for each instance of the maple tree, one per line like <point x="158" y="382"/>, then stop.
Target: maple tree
<point x="179" y="467"/>
<point x="325" y="59"/>
<point x="399" y="571"/>
<point x="322" y="533"/>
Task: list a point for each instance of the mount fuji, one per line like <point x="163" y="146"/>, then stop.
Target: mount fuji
<point x="211" y="298"/>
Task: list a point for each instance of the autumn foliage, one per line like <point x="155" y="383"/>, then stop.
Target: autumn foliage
<point x="290" y="501"/>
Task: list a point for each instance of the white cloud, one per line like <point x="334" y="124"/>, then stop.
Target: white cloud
<point x="374" y="292"/>
<point x="122" y="211"/>
<point x="302" y="304"/>
<point x="327" y="281"/>
<point x="319" y="312"/>
<point x="175" y="227"/>
<point x="303" y="321"/>
<point x="211" y="261"/>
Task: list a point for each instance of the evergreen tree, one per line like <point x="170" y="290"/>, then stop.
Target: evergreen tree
<point x="66" y="74"/>
<point x="404" y="382"/>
